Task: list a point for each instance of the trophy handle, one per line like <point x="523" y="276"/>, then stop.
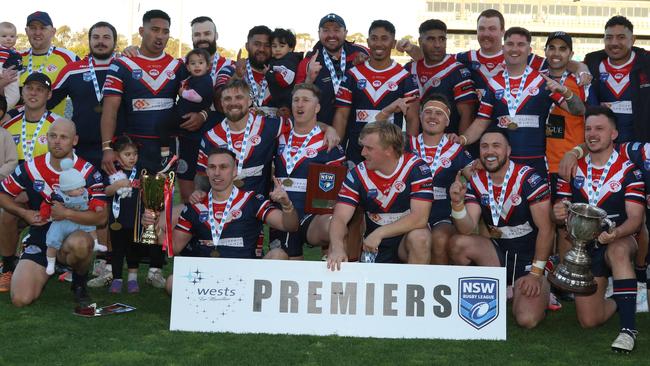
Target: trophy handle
<point x="608" y="225"/>
<point x="568" y="205"/>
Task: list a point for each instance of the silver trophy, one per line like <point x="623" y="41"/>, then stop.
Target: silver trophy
<point x="584" y="223"/>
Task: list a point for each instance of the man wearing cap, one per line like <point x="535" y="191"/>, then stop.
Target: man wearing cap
<point x="37" y="178"/>
<point x="43" y="56"/>
<point x="29" y="128"/>
<point x="323" y="67"/>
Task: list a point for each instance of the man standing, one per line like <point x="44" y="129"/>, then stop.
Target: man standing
<point x="623" y="80"/>
<point x="83" y="81"/>
<point x="438" y="72"/>
<point x="513" y="200"/>
<point x="29" y="128"/>
<point x="38" y="179"/>
<point x="519" y="100"/>
<point x="609" y="181"/>
<point x="326" y="65"/>
<point x="205" y="35"/>
<point x="446" y="159"/>
<point x="394" y="189"/>
<point x="42" y="56"/>
<point x="371" y="86"/>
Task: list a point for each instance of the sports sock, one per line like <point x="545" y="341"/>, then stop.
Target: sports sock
<point x="79" y="279"/>
<point x="133" y="276"/>
<point x="625" y="297"/>
<point x="51" y="261"/>
<point x="640" y="272"/>
<point x="9" y="263"/>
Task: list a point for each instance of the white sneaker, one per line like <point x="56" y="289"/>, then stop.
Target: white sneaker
<point x="99" y="247"/>
<point x="99" y="267"/>
<point x="102" y="280"/>
<point x="155" y="278"/>
<point x="625" y="341"/>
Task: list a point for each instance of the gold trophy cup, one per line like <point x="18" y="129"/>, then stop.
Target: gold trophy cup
<point x="152" y="188"/>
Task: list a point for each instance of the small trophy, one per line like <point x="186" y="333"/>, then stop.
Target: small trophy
<point x="323" y="184"/>
<point x="153" y="189"/>
<point x="584" y="223"/>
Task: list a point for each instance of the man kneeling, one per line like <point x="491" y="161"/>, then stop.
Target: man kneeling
<point x="227" y="222"/>
<point x="513" y="200"/>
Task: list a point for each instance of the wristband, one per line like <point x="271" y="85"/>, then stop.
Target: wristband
<point x="534" y="273"/>
<point x="204" y="114"/>
<point x="106" y="143"/>
<point x="579" y="151"/>
<point x="539" y="264"/>
<point x="288" y="208"/>
<point x="464" y="140"/>
<point x="458" y="215"/>
<point x="106" y="148"/>
<point x="569" y="97"/>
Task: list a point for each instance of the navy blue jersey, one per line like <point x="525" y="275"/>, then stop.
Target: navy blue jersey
<point x="324" y="78"/>
<point x="623" y="183"/>
<point x="241" y="230"/>
<point x="449" y="78"/>
<point x="75" y="81"/>
<point x="226" y="73"/>
<point x="366" y="92"/>
<point x="451" y="160"/>
<point x="9" y="58"/>
<point x="261" y="147"/>
<point x="128" y="205"/>
<point x="38" y="180"/>
<point x="614" y="91"/>
<point x="386" y="199"/>
<point x="148" y="88"/>
<point x="282" y="78"/>
<point x="639" y="154"/>
<point x="529" y="139"/>
<point x="315" y="152"/>
<point x="525" y="188"/>
<point x="203" y="86"/>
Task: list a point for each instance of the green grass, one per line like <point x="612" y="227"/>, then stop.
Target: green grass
<point x="48" y="333"/>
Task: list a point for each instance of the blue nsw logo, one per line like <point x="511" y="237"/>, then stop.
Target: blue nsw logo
<point x="478" y="300"/>
<point x="326" y="181"/>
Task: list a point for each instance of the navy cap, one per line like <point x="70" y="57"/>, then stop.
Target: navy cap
<point x="331" y="17"/>
<point x="40" y="16"/>
<point x="560" y="35"/>
<point x="39" y="78"/>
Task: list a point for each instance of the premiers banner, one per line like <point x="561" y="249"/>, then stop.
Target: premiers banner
<point x="361" y="300"/>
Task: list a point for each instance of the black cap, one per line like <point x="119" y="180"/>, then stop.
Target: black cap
<point x="40" y="16"/>
<point x="560" y="35"/>
<point x="331" y="17"/>
<point x="39" y="78"/>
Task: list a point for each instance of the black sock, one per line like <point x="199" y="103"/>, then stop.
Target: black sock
<point x="640" y="272"/>
<point x="625" y="297"/>
<point x="79" y="280"/>
<point x="9" y="263"/>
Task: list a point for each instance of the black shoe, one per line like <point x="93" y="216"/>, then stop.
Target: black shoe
<point x="81" y="296"/>
<point x="167" y="163"/>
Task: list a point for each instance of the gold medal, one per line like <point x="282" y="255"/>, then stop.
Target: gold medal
<point x="512" y="126"/>
<point x="495" y="233"/>
<point x="115" y="226"/>
<point x="238" y="183"/>
<point x="98" y="108"/>
<point x="215" y="254"/>
<point x="287" y="182"/>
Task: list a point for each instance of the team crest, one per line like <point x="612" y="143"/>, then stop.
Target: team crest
<point x="392" y="86"/>
<point x="399" y="186"/>
<point x="478" y="300"/>
<point x="136" y="74"/>
<point x="203" y="216"/>
<point x="578" y="182"/>
<point x="16" y="139"/>
<point x="614" y="186"/>
<point x="255" y="140"/>
<point x="362" y="115"/>
<point x="604" y="76"/>
<point x="435" y="82"/>
<point x="51" y="68"/>
<point x="637" y="174"/>
<point x="237" y="145"/>
<point x="326" y="181"/>
<point x="498" y="94"/>
<point x="464" y="73"/>
<point x="39" y="185"/>
<point x="280" y="148"/>
<point x="170" y="75"/>
<point x="515" y="199"/>
<point x="446" y="163"/>
<point x="235" y="214"/>
<point x="42" y="139"/>
<point x="361" y="84"/>
<point x="423" y="79"/>
<point x="372" y="193"/>
<point x="533" y="90"/>
<point x="311" y="153"/>
<point x="476" y="65"/>
<point x="485" y="199"/>
<point x="98" y="176"/>
<point x="87" y="77"/>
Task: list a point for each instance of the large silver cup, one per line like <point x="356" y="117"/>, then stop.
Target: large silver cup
<point x="584" y="223"/>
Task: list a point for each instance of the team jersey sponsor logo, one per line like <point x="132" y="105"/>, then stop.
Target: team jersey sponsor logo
<point x="534" y="179"/>
<point x="154" y="72"/>
<point x="362" y="115"/>
<point x="435" y="82"/>
<point x="16" y="139"/>
<point x="98" y="176"/>
<point x="478" y="300"/>
<point x="425" y="169"/>
<point x="637" y="174"/>
<point x="114" y="67"/>
<point x="376" y="83"/>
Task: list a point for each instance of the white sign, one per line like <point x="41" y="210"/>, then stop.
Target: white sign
<point x="362" y="300"/>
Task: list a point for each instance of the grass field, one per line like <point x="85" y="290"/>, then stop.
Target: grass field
<point x="47" y="333"/>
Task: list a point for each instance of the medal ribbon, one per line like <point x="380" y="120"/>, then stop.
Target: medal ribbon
<point x="213" y="71"/>
<point x="497" y="207"/>
<point x="292" y="160"/>
<point x="30" y="62"/>
<point x="27" y="155"/>
<point x="258" y="94"/>
<point x="214" y="229"/>
<point x="116" y="198"/>
<point x="336" y="81"/>
<point x="93" y="77"/>
<point x="593" y="194"/>
<point x="244" y="144"/>
<point x="565" y="74"/>
<point x="423" y="153"/>
<point x="513" y="105"/>
<point x="168" y="198"/>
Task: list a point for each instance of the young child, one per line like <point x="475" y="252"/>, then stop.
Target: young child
<point x="282" y="70"/>
<point x="195" y="94"/>
<point x="72" y="192"/>
<point x="124" y="187"/>
<point x="10" y="63"/>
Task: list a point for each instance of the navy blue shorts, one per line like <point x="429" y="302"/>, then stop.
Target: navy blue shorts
<point x="291" y="243"/>
<point x="188" y="154"/>
<point x="599" y="267"/>
<point x="517" y="261"/>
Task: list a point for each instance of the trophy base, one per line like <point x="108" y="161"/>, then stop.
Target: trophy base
<point x="581" y="284"/>
<point x="149" y="236"/>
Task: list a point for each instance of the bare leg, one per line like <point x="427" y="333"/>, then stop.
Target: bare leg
<point x="27" y="282"/>
<point x="415" y="247"/>
<point x="529" y="311"/>
<point x="440" y="235"/>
